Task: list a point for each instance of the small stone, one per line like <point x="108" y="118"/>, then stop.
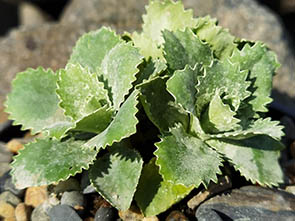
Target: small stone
<point x="63" y="212"/>
<point x="23" y="212"/>
<point x="133" y="214"/>
<point x="74" y="199"/>
<point x="15" y="145"/>
<point x="10" y="198"/>
<point x="7" y="185"/>
<point x="86" y="185"/>
<point x="292" y="150"/>
<point x="6" y="211"/>
<point x="40" y="213"/>
<point x="176" y="216"/>
<point x="105" y="214"/>
<point x="198" y="199"/>
<point x="290" y="189"/>
<point x="35" y="196"/>
<point x="249" y="203"/>
<point x="5" y="155"/>
<point x="68" y="185"/>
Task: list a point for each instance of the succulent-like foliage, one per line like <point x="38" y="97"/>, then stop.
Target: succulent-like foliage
<point x="203" y="89"/>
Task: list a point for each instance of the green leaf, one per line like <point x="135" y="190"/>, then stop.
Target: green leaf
<point x="256" y="158"/>
<point x="34" y="103"/>
<point x="262" y="65"/>
<point x="119" y="68"/>
<point x="161" y="15"/>
<point x="226" y="78"/>
<point x="182" y="85"/>
<point x="122" y="126"/>
<point x="154" y="195"/>
<point x="80" y="92"/>
<point x="44" y="162"/>
<point x="184" y="159"/>
<point x="220" y="40"/>
<point x="160" y="106"/>
<point x="183" y="48"/>
<point x="116" y="175"/>
<point x="97" y="121"/>
<point x="219" y="117"/>
<point x="259" y="127"/>
<point x="92" y="47"/>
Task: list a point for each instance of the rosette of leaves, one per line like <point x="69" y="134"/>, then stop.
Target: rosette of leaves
<point x="205" y="90"/>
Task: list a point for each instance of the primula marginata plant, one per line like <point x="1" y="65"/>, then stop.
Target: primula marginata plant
<point x="204" y="90"/>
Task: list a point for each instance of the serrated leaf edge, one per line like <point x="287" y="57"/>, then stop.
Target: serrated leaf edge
<point x="107" y="199"/>
<point x="61" y="179"/>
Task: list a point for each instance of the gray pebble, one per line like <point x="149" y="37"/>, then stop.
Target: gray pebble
<point x="73" y="198"/>
<point x="10" y="198"/>
<point x="63" y="213"/>
<point x="40" y="214"/>
<point x="7" y="185"/>
<point x="5" y="159"/>
<point x="86" y="185"/>
<point x="105" y="214"/>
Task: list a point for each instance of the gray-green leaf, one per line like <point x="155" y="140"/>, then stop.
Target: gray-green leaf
<point x="154" y="195"/>
<point x="122" y="126"/>
<point x="256" y="158"/>
<point x="184" y="159"/>
<point x="116" y="175"/>
<point x="34" y="104"/>
<point x="44" y="162"/>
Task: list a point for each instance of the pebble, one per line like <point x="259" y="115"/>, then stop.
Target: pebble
<point x="63" y="212"/>
<point x="23" y="212"/>
<point x="133" y="214"/>
<point x="68" y="185"/>
<point x="290" y="189"/>
<point x="10" y="198"/>
<point x="40" y="213"/>
<point x="74" y="199"/>
<point x="249" y="203"/>
<point x="5" y="159"/>
<point x="6" y="211"/>
<point x="7" y="185"/>
<point x="35" y="196"/>
<point x="15" y="145"/>
<point x="105" y="214"/>
<point x="176" y="216"/>
<point x="86" y="186"/>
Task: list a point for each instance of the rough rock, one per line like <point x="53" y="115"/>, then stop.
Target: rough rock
<point x="35" y="196"/>
<point x="23" y="212"/>
<point x="10" y="198"/>
<point x="249" y="203"/>
<point x="123" y="17"/>
<point x="6" y="211"/>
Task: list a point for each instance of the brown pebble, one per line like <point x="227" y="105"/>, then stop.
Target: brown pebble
<point x="7" y="211"/>
<point x="133" y="214"/>
<point x="36" y="195"/>
<point x="23" y="212"/>
<point x="176" y="216"/>
<point x="88" y="219"/>
<point x="15" y="145"/>
<point x="292" y="149"/>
